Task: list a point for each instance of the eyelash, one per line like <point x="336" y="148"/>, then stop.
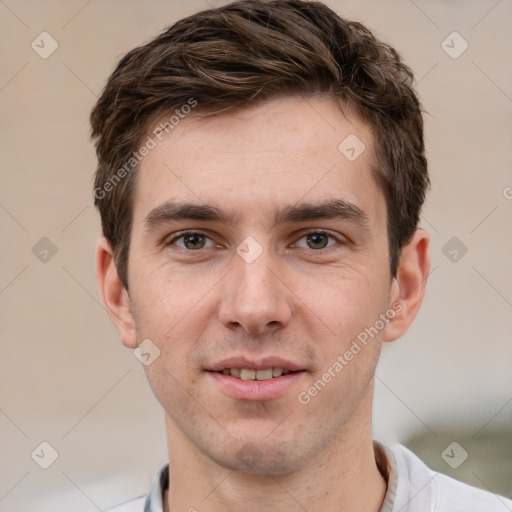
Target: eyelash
<point x="182" y="234"/>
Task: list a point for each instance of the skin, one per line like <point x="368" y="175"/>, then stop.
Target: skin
<point x="298" y="300"/>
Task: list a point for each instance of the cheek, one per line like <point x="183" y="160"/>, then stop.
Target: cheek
<point x="348" y="352"/>
<point x="346" y="302"/>
<point x="173" y="313"/>
<point x="151" y="305"/>
<point x="165" y="299"/>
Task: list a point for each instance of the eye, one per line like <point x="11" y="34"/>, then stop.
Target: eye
<point x="317" y="240"/>
<point x="191" y="241"/>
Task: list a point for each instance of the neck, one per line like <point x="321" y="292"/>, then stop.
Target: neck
<point x="343" y="477"/>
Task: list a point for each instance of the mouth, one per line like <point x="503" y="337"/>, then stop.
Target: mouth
<point x="259" y="379"/>
<point x="251" y="374"/>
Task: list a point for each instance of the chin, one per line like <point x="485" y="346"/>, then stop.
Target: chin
<point x="263" y="466"/>
<point x="262" y="458"/>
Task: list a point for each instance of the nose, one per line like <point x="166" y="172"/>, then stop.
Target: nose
<point x="255" y="297"/>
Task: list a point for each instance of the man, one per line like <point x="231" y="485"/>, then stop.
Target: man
<point x="261" y="175"/>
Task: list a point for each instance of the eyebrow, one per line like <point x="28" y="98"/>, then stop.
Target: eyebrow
<point x="170" y="211"/>
<point x="333" y="209"/>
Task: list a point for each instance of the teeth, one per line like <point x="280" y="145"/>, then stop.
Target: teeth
<point x="247" y="374"/>
<point x="277" y="372"/>
<point x="264" y="374"/>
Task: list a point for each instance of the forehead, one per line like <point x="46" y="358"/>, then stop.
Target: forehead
<point x="262" y="157"/>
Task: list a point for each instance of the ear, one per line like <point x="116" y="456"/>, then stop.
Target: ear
<point x="114" y="295"/>
<point x="408" y="287"/>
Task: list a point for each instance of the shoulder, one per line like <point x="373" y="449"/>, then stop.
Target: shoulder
<point x="438" y="492"/>
<point x="455" y="496"/>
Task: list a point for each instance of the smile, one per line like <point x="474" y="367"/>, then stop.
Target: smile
<point x="250" y="374"/>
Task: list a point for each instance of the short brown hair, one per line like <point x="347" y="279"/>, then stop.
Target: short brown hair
<point x="253" y="51"/>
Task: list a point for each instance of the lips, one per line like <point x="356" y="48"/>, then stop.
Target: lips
<point x="250" y="374"/>
<point x="267" y="363"/>
<point x="257" y="390"/>
<point x="255" y="378"/>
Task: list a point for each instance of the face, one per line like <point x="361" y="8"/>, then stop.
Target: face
<point x="259" y="248"/>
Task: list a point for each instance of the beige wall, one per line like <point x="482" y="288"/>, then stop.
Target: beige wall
<point x="64" y="376"/>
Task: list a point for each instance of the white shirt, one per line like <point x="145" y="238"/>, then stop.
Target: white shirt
<point x="412" y="487"/>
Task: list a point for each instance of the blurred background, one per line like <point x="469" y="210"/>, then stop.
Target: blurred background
<point x="444" y="390"/>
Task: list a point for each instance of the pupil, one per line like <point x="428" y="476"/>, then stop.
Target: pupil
<point x="317" y="241"/>
<point x="194" y="241"/>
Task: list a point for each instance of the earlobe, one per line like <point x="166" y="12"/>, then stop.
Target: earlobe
<point x="408" y="287"/>
<point x="113" y="293"/>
